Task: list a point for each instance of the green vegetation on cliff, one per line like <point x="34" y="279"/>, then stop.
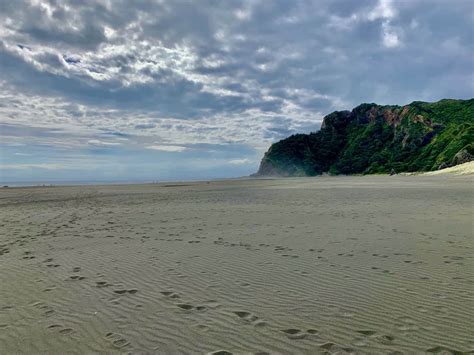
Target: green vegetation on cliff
<point x="420" y="136"/>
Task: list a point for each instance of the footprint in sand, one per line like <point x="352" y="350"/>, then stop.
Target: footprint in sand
<point x="48" y="311"/>
<point x="384" y="339"/>
<point x="188" y="307"/>
<point x="185" y="306"/>
<point x="4" y="249"/>
<point x="260" y="324"/>
<point x="406" y="324"/>
<point x="381" y="338"/>
<point x="115" y="301"/>
<point x="366" y="332"/>
<point x="66" y="331"/>
<point x="327" y="346"/>
<point x="170" y="294"/>
<point x="117" y="340"/>
<point x="442" y="350"/>
<point x="122" y="292"/>
<point x="220" y="352"/>
<point x="53" y="265"/>
<point x="102" y="284"/>
<point x="28" y="255"/>
<point x="293" y="333"/>
<point x="246" y="316"/>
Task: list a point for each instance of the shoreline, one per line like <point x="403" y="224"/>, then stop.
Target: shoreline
<point x="458" y="170"/>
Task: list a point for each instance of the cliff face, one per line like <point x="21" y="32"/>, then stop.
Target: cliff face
<point x="378" y="139"/>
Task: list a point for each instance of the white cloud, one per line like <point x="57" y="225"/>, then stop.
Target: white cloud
<point x="384" y="10"/>
<point x="240" y="161"/>
<point x="243" y="14"/>
<point x="98" y="143"/>
<point x="168" y="148"/>
<point x="387" y="12"/>
<point x="46" y="166"/>
<point x="390" y="38"/>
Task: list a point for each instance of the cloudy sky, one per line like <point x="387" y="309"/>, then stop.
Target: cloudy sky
<point x="160" y="90"/>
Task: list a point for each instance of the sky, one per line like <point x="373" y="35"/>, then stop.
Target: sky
<point x="140" y="90"/>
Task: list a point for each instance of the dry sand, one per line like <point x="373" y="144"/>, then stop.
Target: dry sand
<point x="293" y="266"/>
<point x="461" y="169"/>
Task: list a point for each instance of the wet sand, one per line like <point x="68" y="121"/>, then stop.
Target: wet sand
<point x="378" y="264"/>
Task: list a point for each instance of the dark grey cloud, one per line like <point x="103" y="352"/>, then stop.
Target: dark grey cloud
<point x="329" y="47"/>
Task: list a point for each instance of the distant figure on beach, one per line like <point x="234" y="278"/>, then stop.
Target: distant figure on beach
<point x="393" y="172"/>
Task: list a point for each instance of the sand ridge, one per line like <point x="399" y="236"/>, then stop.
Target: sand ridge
<point x="461" y="169"/>
<point x="285" y="266"/>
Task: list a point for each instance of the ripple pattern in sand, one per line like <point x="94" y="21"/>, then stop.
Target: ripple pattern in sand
<point x="256" y="267"/>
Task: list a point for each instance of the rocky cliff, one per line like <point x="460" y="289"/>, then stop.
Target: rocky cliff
<point x="371" y="138"/>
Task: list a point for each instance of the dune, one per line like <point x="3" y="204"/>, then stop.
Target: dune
<point x="461" y="169"/>
<point x="365" y="264"/>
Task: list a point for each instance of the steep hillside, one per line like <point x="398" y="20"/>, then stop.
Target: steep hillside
<point x="371" y="138"/>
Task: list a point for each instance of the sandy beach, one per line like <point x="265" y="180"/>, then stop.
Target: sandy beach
<point x="374" y="264"/>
